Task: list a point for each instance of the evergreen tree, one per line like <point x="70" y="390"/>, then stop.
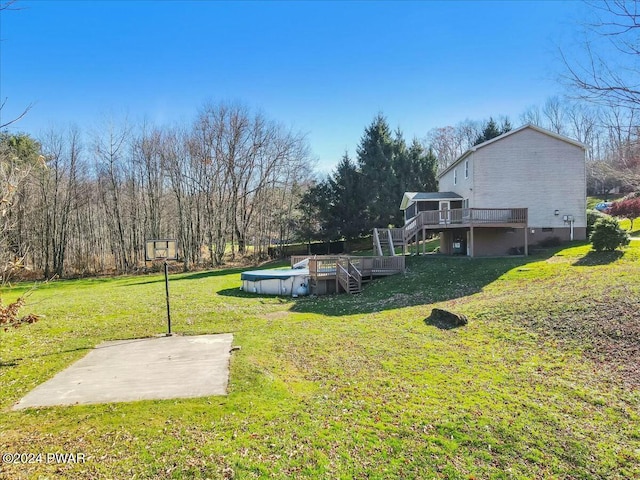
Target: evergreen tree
<point x="403" y="172"/>
<point x="414" y="169"/>
<point x="317" y="214"/>
<point x="338" y="203"/>
<point x="309" y="225"/>
<point x="355" y="198"/>
<point x="348" y="199"/>
<point x="375" y="159"/>
<point x="421" y="170"/>
<point x="607" y="235"/>
<point x="491" y="130"/>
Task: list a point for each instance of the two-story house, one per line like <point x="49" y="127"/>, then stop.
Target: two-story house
<point x="502" y="196"/>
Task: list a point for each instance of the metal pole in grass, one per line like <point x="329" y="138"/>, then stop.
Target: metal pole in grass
<point x="165" y="250"/>
<point x="166" y="288"/>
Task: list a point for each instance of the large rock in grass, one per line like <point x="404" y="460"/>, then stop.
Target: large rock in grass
<point x="446" y="319"/>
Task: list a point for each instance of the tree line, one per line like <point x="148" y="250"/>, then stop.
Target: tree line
<point x="225" y="185"/>
<point x="233" y="182"/>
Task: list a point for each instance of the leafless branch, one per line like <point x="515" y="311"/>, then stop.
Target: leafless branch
<point x="19" y="117"/>
<point x="603" y="76"/>
<point x="10" y="5"/>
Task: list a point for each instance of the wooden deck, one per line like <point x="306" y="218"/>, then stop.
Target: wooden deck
<point x="349" y="273"/>
<point x="439" y="220"/>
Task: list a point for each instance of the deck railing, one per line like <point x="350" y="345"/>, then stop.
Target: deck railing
<point x="437" y="219"/>
<point x="342" y="274"/>
<point x="467" y="216"/>
<point x="324" y="266"/>
<point x="355" y="273"/>
<point x="458" y="216"/>
<point x="383" y="265"/>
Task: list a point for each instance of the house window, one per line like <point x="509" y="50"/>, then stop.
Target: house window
<point x="545" y="229"/>
<point x="466" y="169"/>
<point x="465" y="203"/>
<point x="455" y="177"/>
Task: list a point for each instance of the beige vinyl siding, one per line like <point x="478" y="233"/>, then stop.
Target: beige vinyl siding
<point x="464" y="186"/>
<point x="533" y="170"/>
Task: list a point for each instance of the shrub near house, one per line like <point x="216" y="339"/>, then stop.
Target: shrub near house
<point x="607" y="235"/>
<point x="592" y="217"/>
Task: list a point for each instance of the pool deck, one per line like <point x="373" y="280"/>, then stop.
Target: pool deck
<point x="348" y="272"/>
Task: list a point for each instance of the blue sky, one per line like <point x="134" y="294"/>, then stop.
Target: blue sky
<point x="323" y="68"/>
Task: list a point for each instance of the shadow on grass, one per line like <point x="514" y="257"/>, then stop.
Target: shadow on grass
<point x="15" y="361"/>
<point x="593" y="258"/>
<point x="236" y="292"/>
<point x="210" y="274"/>
<point x="428" y="279"/>
<point x="179" y="277"/>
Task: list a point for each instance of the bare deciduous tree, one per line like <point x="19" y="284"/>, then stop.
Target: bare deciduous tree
<point x="231" y="180"/>
<point x="608" y="71"/>
<point x="553" y="111"/>
<point x="448" y="143"/>
<point x="19" y="155"/>
<point x="111" y="149"/>
<point x="57" y="186"/>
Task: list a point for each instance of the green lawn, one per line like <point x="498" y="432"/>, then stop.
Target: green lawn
<point x="544" y="381"/>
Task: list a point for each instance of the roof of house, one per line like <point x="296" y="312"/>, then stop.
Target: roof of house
<point x="410" y="197"/>
<point x="505" y="135"/>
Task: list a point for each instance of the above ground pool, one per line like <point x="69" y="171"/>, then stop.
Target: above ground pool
<point x="277" y="281"/>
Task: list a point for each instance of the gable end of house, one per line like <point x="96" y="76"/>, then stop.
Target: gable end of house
<point x="475" y="148"/>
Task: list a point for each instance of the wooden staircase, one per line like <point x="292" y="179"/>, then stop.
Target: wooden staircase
<point x="388" y="239"/>
<point x="347" y="273"/>
<point x="354" y="286"/>
<point x="383" y="241"/>
<point x="348" y="277"/>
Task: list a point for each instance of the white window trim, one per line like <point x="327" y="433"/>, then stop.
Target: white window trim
<point x="466" y="169"/>
<point x="455" y="176"/>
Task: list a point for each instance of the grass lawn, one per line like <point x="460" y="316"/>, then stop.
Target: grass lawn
<point x="544" y="381"/>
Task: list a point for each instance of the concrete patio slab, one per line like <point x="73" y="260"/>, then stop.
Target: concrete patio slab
<point x="141" y="369"/>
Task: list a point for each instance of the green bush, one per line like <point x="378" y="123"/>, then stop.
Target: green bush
<point x="592" y="218"/>
<point x="607" y="235"/>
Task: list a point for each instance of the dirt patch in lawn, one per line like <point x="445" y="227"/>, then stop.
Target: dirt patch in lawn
<point x="276" y="315"/>
<point x="608" y="331"/>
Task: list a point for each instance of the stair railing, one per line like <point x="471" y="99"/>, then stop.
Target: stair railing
<point x="355" y="274"/>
